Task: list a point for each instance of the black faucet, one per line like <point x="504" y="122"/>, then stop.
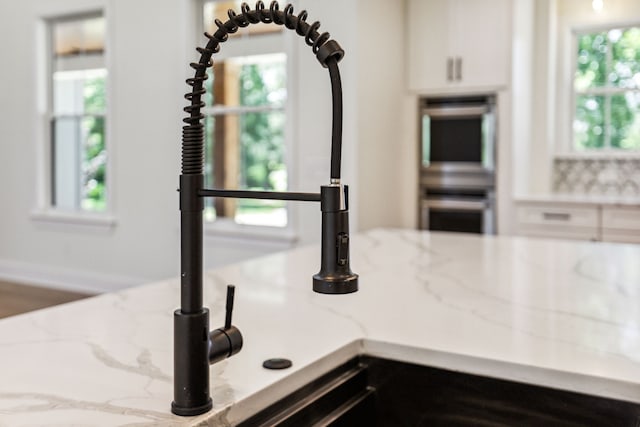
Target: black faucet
<point x="194" y="346"/>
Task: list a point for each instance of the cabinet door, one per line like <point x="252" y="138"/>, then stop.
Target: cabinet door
<point x="483" y="42"/>
<point x="428" y="42"/>
<point x="621" y="224"/>
<point x="458" y="44"/>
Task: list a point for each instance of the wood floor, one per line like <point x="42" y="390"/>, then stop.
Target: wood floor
<point x="18" y="298"/>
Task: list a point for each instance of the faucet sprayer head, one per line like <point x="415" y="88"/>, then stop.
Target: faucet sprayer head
<point x="335" y="276"/>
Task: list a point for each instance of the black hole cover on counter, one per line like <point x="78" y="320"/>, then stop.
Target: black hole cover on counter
<point x="277" y="363"/>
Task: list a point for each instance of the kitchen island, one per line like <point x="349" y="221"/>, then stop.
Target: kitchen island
<point x="555" y="313"/>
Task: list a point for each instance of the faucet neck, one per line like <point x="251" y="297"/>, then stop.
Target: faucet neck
<point x="336" y="128"/>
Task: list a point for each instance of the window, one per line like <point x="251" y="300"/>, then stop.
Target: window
<point x="607" y="90"/>
<point x="245" y="117"/>
<point x="77" y="113"/>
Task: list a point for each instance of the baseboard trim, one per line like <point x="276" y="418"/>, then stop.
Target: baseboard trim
<point x="64" y="278"/>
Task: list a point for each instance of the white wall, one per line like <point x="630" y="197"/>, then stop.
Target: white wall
<point x="522" y="71"/>
<point x="149" y="46"/>
<point x="145" y="95"/>
<point x="382" y="197"/>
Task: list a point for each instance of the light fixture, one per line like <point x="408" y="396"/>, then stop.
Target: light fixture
<point x="597" y="5"/>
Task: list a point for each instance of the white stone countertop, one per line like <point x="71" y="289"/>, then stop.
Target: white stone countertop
<point x="555" y="313"/>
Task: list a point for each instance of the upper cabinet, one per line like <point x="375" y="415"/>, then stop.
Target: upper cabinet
<point x="458" y="44"/>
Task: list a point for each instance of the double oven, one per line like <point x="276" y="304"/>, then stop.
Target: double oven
<point x="457" y="164"/>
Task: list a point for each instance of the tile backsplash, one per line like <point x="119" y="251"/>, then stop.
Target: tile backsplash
<point x="602" y="176"/>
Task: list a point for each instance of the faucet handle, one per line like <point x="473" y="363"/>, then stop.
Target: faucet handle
<point x="231" y="291"/>
<point x="226" y="341"/>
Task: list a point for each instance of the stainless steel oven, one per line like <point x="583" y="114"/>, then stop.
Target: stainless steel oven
<point x="468" y="212"/>
<point x="457" y="164"/>
<point x="458" y="133"/>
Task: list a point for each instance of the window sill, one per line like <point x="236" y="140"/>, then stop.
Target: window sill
<point x="84" y="220"/>
<point x="229" y="229"/>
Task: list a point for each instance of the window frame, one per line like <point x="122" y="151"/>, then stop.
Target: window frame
<point x="44" y="211"/>
<point x="606" y="91"/>
<point x="267" y="43"/>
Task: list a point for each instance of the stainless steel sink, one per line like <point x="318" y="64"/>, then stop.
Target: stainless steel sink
<point x="370" y="391"/>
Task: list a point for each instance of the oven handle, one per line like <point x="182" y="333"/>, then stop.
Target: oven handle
<point x="458" y="205"/>
<point x="453" y="111"/>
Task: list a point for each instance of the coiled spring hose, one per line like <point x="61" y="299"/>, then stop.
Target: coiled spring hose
<point x="327" y="51"/>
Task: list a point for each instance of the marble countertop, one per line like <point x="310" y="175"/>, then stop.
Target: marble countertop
<point x="556" y="313"/>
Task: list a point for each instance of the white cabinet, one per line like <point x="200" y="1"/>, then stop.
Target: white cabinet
<point x="458" y="44"/>
<point x="582" y="221"/>
<point x="621" y="224"/>
<point x="557" y="220"/>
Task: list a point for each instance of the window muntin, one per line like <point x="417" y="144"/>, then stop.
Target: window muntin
<point x="607" y="90"/>
<point x="78" y="114"/>
<point x="245" y="118"/>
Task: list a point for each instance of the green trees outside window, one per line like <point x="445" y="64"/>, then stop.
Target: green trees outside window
<point x="78" y="141"/>
<point x="245" y="136"/>
<point x="94" y="152"/>
<point x="607" y="90"/>
<point x="262" y="134"/>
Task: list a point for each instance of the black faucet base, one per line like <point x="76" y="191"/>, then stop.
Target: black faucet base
<point x="191" y="365"/>
<point x="322" y="285"/>
<point x="189" y="411"/>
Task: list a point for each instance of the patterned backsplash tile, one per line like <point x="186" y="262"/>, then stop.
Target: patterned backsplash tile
<point x="602" y="176"/>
